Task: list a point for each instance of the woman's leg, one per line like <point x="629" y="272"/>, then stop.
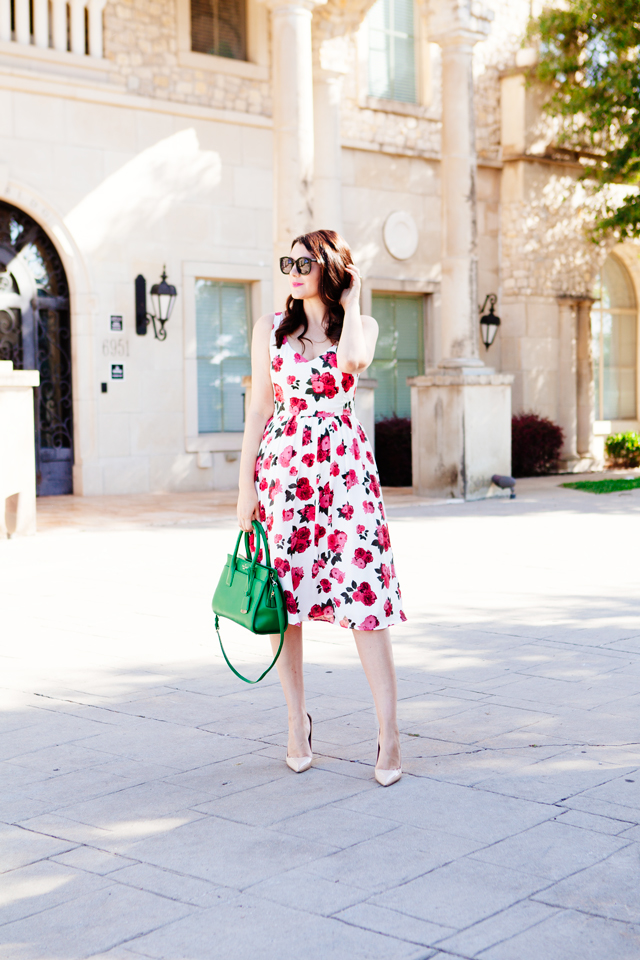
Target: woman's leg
<point x="376" y="656"/>
<point x="290" y="671"/>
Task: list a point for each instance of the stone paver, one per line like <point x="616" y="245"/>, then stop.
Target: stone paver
<point x="145" y="807"/>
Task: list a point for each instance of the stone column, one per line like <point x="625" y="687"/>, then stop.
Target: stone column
<point x="457" y="29"/>
<point x="59" y="24"/>
<point x="5" y="21"/>
<point x="567" y="378"/>
<point x="461" y="411"/>
<point x="76" y="23"/>
<point x="460" y="432"/>
<point x="292" y="89"/>
<point x="40" y="23"/>
<point x="328" y="75"/>
<point x="96" y="8"/>
<point x="327" y="208"/>
<point x="22" y="21"/>
<point x="585" y="384"/>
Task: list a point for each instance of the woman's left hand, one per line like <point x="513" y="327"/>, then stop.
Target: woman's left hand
<point x="351" y="295"/>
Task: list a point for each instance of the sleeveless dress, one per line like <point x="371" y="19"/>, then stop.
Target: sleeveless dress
<point x="320" y="500"/>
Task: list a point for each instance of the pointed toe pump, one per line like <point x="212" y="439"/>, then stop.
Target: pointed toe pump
<point x="386" y="777"/>
<point x="300" y="764"/>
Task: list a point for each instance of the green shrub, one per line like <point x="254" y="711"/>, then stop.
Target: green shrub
<point x="623" y="449"/>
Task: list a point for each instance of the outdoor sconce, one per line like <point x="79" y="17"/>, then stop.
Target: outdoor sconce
<point x="489" y="323"/>
<point x="163" y="296"/>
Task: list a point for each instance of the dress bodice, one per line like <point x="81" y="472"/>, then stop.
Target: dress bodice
<point x="308" y="387"/>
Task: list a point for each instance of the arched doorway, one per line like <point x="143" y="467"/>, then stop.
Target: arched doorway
<point x="35" y="334"/>
<point x="614" y="324"/>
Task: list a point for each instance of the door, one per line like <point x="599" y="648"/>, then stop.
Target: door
<point x="35" y="334"/>
<point x="399" y="351"/>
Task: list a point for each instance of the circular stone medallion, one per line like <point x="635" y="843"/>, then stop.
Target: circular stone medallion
<point x="400" y="235"/>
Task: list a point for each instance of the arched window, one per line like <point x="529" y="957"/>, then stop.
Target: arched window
<point x="35" y="333"/>
<point x="614" y="325"/>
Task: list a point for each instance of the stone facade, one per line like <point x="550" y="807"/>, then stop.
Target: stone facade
<point x="152" y="154"/>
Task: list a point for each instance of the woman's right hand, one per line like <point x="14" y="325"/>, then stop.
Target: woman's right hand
<point x="248" y="508"/>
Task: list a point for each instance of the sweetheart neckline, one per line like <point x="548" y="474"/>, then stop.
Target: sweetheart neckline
<point x="312" y="359"/>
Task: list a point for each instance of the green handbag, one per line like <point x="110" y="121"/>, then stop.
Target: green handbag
<point x="249" y="593"/>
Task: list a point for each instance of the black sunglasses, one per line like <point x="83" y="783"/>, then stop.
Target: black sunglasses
<point x="302" y="263"/>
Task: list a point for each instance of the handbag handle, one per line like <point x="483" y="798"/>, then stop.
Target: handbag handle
<point x="259" y="529"/>
<point x="275" y="586"/>
<point x="257" y="526"/>
<point x="282" y="623"/>
<point x="261" y="535"/>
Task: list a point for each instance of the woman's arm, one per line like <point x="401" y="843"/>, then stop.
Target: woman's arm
<point x="357" y="344"/>
<point x="260" y="411"/>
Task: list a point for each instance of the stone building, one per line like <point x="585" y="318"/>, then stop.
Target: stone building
<point x="201" y="136"/>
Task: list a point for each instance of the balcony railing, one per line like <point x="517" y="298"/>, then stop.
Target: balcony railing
<point x="74" y="27"/>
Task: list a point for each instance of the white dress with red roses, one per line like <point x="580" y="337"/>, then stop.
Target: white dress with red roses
<point x="320" y="498"/>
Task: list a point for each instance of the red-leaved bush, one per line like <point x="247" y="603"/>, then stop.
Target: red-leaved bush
<point x="535" y="445"/>
<point x="393" y="451"/>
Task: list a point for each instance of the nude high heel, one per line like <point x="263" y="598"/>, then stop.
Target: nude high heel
<point x="386" y="777"/>
<point x="300" y="764"/>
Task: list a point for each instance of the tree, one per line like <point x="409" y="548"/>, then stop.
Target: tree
<point x="589" y="54"/>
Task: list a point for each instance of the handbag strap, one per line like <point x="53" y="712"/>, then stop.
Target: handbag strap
<point x="282" y="623"/>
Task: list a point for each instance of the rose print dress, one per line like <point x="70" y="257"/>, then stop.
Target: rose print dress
<point x="320" y="499"/>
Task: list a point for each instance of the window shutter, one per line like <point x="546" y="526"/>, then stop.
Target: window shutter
<point x="218" y="27"/>
<point x="399" y="352"/>
<point x="222" y="334"/>
<point x="392" y="67"/>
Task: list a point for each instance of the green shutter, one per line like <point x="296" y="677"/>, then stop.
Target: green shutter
<point x="399" y="352"/>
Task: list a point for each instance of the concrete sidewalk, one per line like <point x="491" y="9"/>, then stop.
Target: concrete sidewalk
<point x="146" y="809"/>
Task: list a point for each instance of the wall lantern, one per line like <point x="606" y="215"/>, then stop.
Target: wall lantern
<point x="163" y="296"/>
<point x="489" y="323"/>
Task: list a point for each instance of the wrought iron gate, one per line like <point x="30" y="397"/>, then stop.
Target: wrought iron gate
<point x="35" y="333"/>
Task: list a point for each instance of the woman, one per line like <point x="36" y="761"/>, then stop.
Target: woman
<point x="308" y="474"/>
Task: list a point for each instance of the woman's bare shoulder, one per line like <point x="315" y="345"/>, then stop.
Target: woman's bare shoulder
<point x="263" y="326"/>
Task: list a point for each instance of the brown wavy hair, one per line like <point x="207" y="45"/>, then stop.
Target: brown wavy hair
<point x="333" y="255"/>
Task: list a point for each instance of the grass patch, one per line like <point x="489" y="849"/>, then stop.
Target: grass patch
<point x="604" y="486"/>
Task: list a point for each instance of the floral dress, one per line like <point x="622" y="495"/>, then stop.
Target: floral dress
<point x="320" y="498"/>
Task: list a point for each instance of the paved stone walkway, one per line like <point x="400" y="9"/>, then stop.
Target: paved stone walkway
<point x="145" y="807"/>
